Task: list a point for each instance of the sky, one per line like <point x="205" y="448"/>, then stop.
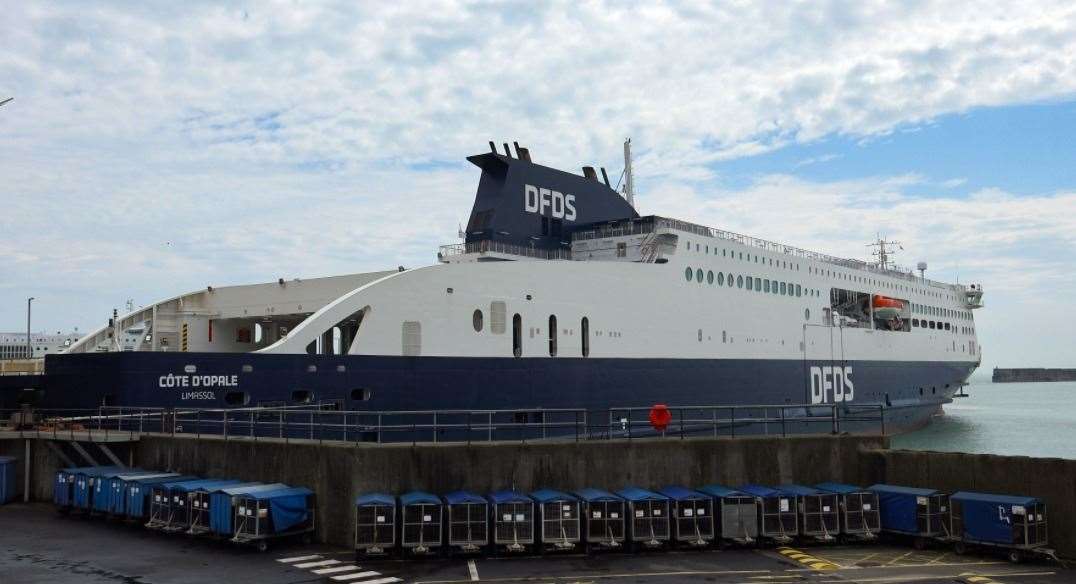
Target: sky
<point x="155" y="148"/>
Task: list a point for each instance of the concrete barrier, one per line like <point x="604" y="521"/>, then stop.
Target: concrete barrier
<point x="1052" y="479"/>
<point x="338" y="472"/>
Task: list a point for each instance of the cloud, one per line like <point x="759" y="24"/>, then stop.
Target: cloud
<point x="154" y="148"/>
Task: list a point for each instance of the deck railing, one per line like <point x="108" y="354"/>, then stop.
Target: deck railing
<point x="315" y="423"/>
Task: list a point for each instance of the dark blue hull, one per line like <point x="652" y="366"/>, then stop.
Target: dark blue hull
<point x="910" y="391"/>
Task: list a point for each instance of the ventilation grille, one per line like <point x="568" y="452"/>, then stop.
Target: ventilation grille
<point x="498" y="317"/>
<point x="412" y="338"/>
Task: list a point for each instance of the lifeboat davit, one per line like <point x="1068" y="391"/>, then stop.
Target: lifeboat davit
<point x="886" y="308"/>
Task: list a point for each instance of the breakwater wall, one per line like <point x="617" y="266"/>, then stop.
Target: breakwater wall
<point x="1032" y="374"/>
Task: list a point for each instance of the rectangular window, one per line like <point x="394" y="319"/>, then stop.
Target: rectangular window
<point x="621" y="250"/>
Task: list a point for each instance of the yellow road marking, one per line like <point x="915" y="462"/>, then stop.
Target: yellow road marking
<point x="899" y="558"/>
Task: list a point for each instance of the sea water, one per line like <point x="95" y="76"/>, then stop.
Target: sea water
<point x="1029" y="419"/>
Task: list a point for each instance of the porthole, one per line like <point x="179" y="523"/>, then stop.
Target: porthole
<point x="312" y="368"/>
<point x="688" y="273"/>
<point x="710" y="277"/>
<point x="248" y="368"/>
<point x="807" y="314"/>
<point x="476" y="321"/>
<point x="236" y="398"/>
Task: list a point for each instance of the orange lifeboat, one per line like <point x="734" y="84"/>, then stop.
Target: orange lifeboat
<point x="886" y="308"/>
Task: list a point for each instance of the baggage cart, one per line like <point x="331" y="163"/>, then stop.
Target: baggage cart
<point x="604" y="519"/>
<point x="140" y="491"/>
<point x="693" y="516"/>
<point x="222" y="504"/>
<point x="860" y="516"/>
<point x="168" y="510"/>
<point x="85" y="483"/>
<point x="199" y="507"/>
<point x="117" y="489"/>
<point x="648" y="517"/>
<point x="1015" y="525"/>
<point x="375" y="524"/>
<point x="267" y="515"/>
<point x="468" y="517"/>
<point x="512" y="517"/>
<point x="8" y="485"/>
<point x="911" y="512"/>
<point x="558" y="520"/>
<point x="739" y="514"/>
<point x="778" y="519"/>
<point x="421" y="516"/>
<point x="817" y="510"/>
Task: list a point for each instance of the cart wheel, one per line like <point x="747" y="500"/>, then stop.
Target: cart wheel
<point x="1015" y="556"/>
<point x="960" y="548"/>
<point x="919" y="543"/>
<point x="263" y="546"/>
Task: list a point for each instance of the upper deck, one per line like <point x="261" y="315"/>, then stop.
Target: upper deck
<point x="651" y="224"/>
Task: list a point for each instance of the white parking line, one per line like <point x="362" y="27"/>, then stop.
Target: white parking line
<point x="355" y="576"/>
<point x="335" y="570"/>
<point x="317" y="564"/>
<point x="473" y="569"/>
<point x="297" y="559"/>
<point x="380" y="581"/>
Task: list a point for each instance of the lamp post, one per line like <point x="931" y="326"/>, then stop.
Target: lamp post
<point x="29" y="345"/>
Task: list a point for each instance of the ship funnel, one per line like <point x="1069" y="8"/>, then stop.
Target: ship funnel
<point x="492" y="147"/>
<point x="507" y="152"/>
<point x="588" y="171"/>
<point x="605" y="177"/>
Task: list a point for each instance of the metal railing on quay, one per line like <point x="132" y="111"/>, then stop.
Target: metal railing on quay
<point x="315" y="423"/>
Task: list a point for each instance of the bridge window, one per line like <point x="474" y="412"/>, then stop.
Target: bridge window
<point x="698" y="275"/>
<point x="361" y="394"/>
<point x="766" y="285"/>
<point x="730" y="280"/>
<point x="302" y="396"/>
<point x="552" y="335"/>
<point x="799" y="291"/>
<point x="783" y="288"/>
<point x="476" y="320"/>
<point x="688" y="273"/>
<point x="750" y="283"/>
<point x="710" y="277"/>
<point x="739" y="281"/>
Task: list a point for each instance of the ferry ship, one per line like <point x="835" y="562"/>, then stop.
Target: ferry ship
<point x="560" y="296"/>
